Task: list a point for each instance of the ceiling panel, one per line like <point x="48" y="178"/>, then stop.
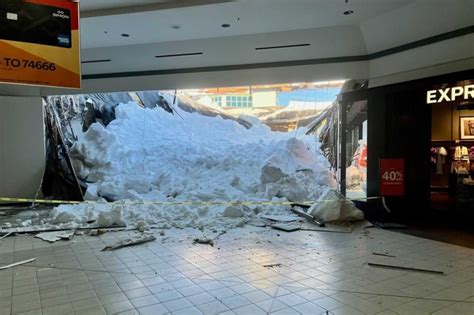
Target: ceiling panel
<point x="244" y="17"/>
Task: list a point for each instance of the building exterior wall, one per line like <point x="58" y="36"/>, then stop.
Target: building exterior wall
<point x="264" y="98"/>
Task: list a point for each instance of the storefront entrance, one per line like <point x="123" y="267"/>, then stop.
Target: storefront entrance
<point x="452" y="150"/>
<point x="427" y="127"/>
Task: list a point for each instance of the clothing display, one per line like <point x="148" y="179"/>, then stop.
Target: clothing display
<point x="460" y="167"/>
<point x="460" y="152"/>
<point x="440" y="159"/>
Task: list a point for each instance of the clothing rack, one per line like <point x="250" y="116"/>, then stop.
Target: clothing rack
<point x="453" y="142"/>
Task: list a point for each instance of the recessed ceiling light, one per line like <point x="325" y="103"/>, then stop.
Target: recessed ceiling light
<point x="124" y="35"/>
<point x="225" y="25"/>
<point x="175" y="26"/>
<point x="348" y="12"/>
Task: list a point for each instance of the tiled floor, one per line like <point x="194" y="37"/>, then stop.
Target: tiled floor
<point x="320" y="273"/>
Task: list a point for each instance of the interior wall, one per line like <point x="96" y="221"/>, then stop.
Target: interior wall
<point x="22" y="149"/>
<point x="445" y="121"/>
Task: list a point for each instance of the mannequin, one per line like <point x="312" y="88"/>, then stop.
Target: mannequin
<point x="441" y="156"/>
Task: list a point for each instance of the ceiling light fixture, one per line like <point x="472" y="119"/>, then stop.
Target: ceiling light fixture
<point x="348" y="12"/>
<point x="125" y="35"/>
<point x="225" y="25"/>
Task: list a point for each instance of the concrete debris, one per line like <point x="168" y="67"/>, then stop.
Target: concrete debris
<point x="96" y="232"/>
<point x="55" y="236"/>
<point x="405" y="268"/>
<point x="204" y="241"/>
<point x="258" y="223"/>
<point x="271" y="174"/>
<point x="142" y="226"/>
<point x="280" y="218"/>
<point x="130" y="242"/>
<point x="233" y="212"/>
<point x="287" y="227"/>
<point x="17" y="263"/>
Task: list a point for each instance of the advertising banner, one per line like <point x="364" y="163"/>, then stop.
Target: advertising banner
<point x="39" y="43"/>
<point x="392" y="177"/>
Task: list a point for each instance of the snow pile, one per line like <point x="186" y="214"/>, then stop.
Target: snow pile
<point x="332" y="206"/>
<point x="155" y="159"/>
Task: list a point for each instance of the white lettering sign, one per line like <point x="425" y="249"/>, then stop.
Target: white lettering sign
<point x="450" y="94"/>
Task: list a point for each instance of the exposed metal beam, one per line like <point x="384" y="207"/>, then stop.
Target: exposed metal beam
<point x="149" y="7"/>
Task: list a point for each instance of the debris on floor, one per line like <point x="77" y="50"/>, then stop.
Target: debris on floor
<point x="17" y="263"/>
<point x="55" y="236"/>
<point x="204" y="241"/>
<point x="388" y="225"/>
<point x="404" y="268"/>
<point x="272" y="265"/>
<point x="96" y="232"/>
<point x="280" y="218"/>
<point x="332" y="206"/>
<point x="287" y="227"/>
<point x="130" y="242"/>
<point x="6" y="235"/>
<point x="299" y="211"/>
<point x="328" y="227"/>
<point x="257" y="223"/>
<point x="383" y="254"/>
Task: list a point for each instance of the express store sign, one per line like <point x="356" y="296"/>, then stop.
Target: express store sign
<point x="451" y="94"/>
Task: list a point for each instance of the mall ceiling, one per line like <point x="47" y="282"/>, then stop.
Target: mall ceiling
<point x="120" y="36"/>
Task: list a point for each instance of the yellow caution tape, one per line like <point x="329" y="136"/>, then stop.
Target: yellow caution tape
<point x="181" y="203"/>
<point x="3" y="199"/>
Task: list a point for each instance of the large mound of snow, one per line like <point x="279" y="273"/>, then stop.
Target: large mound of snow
<point x="151" y="156"/>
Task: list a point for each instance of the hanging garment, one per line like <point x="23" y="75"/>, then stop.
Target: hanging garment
<point x="460" y="152"/>
<point x="440" y="160"/>
<point x="433" y="155"/>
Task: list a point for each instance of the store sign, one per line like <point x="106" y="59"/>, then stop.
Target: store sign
<point x="458" y="93"/>
<point x="392" y="177"/>
<point x="39" y="43"/>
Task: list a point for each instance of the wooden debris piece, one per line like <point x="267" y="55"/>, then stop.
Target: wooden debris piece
<point x="383" y="254"/>
<point x="272" y="265"/>
<point x="130" y="242"/>
<point x="17" y="263"/>
<point x="406" y="268"/>
<point x="6" y="235"/>
<point x="309" y="217"/>
<point x="204" y="241"/>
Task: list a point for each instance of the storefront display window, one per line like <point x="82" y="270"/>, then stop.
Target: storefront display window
<point x="452" y="153"/>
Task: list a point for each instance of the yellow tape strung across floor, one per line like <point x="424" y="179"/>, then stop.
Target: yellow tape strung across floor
<point x="181" y="203"/>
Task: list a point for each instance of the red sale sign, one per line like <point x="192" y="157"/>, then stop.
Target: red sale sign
<point x="392" y="177"/>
